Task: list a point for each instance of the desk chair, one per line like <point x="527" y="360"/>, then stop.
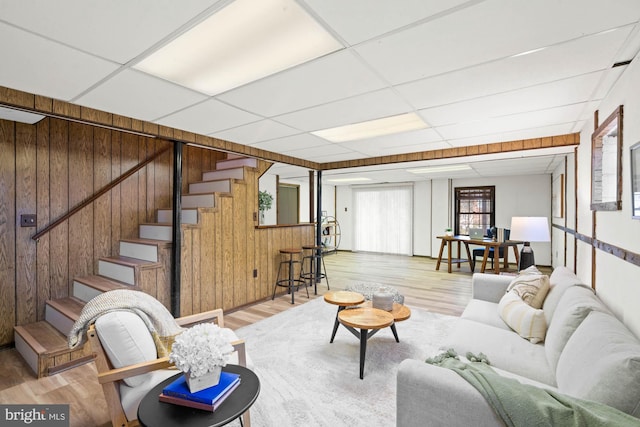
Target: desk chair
<point x="480" y="252"/>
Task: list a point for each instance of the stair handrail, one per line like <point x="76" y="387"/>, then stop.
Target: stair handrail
<point x="99" y="193"/>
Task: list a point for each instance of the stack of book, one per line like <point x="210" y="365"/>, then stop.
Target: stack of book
<point x="208" y="399"/>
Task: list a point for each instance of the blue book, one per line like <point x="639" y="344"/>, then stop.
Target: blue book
<point x="210" y="396"/>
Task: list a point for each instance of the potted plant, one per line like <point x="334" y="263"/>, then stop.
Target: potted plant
<point x="265" y="199"/>
<point x="200" y="352"/>
<point x="448" y="232"/>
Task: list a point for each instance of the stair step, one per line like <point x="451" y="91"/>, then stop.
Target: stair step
<point x="235" y="173"/>
<point x="189" y="216"/>
<point x="234" y="163"/>
<point x="41" y="346"/>
<point x="198" y="200"/>
<point x="88" y="287"/>
<point x="146" y="249"/>
<point x="62" y="313"/>
<point x="156" y="231"/>
<point x="123" y="269"/>
<point x="215" y="186"/>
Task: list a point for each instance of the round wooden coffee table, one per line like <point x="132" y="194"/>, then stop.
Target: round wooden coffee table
<point x="342" y="299"/>
<point x="369" y="320"/>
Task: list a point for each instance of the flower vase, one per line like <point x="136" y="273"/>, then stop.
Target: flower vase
<point x="207" y="380"/>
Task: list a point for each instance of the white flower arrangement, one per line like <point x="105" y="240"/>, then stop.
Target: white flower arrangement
<point x="200" y="349"/>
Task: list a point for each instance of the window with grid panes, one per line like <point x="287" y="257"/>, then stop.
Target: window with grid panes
<point x="474" y="208"/>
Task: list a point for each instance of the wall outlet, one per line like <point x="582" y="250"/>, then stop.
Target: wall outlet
<point x="28" y="220"/>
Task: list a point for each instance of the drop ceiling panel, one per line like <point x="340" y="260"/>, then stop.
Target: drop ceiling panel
<point x="140" y="96"/>
<point x="493" y="135"/>
<point x="288" y="143"/>
<point x="517" y="72"/>
<point x="333" y="77"/>
<point x="117" y="30"/>
<point x="252" y="133"/>
<point x="313" y="153"/>
<point x="488" y="31"/>
<point x="359" y="20"/>
<point x="43" y="67"/>
<point x="373" y="146"/>
<point x="560" y="93"/>
<point x="208" y="117"/>
<point x="369" y="106"/>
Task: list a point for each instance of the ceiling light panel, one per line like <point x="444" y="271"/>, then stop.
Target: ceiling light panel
<point x="352" y="179"/>
<point x="243" y="42"/>
<point x="19" y="116"/>
<point x="385" y="126"/>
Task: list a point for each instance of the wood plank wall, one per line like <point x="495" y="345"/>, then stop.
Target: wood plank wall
<point x="220" y="255"/>
<point x="48" y="168"/>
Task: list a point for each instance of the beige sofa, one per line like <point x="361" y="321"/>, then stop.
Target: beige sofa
<point x="587" y="353"/>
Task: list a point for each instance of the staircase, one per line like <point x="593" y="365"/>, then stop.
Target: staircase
<point x="143" y="264"/>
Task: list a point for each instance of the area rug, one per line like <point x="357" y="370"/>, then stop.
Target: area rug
<point x="307" y="381"/>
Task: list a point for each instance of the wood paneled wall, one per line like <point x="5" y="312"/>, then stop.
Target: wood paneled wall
<point x="220" y="255"/>
<point x="47" y="169"/>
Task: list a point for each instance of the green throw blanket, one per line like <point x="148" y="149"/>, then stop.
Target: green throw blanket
<point x="522" y="405"/>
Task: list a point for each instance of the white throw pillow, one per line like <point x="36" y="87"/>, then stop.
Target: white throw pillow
<point x="127" y="341"/>
<point x="532" y="288"/>
<point x="527" y="321"/>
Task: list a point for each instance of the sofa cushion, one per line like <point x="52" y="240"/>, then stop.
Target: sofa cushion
<point x="601" y="362"/>
<point x="504" y="349"/>
<point x="126" y="341"/>
<point x="484" y="312"/>
<point x="560" y="280"/>
<point x="532" y="288"/>
<point x="576" y="303"/>
<point x="527" y="321"/>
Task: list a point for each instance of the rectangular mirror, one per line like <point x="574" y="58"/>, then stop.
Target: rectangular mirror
<point x="635" y="181"/>
<point x="606" y="164"/>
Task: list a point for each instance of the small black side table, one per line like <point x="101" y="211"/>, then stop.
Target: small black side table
<point x="152" y="412"/>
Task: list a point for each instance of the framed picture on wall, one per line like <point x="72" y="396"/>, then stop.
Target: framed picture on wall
<point x="635" y="180"/>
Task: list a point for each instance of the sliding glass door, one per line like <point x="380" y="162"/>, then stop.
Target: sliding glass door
<point x="383" y="219"/>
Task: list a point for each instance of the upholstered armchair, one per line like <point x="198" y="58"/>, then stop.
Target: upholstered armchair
<point x="128" y="364"/>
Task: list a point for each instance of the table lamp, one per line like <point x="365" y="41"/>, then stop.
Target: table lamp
<point x="529" y="229"/>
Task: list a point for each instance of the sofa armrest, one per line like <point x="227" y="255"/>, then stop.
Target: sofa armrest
<point x="489" y="287"/>
<point x="429" y="395"/>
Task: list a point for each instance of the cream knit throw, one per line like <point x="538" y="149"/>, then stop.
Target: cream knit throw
<point x="158" y="319"/>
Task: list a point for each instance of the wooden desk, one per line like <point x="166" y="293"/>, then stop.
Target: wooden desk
<point x="487" y="243"/>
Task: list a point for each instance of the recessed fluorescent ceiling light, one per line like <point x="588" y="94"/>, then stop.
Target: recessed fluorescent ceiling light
<point x="378" y="127"/>
<point x="349" y="179"/>
<point x="436" y="169"/>
<point x="241" y="43"/>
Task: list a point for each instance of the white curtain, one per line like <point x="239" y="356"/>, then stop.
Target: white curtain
<point x="383" y="219"/>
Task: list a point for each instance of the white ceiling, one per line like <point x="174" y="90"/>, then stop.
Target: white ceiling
<point x="477" y="72"/>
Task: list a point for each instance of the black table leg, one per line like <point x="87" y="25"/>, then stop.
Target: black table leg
<point x="363" y="350"/>
<point x="395" y="333"/>
<point x="336" y="323"/>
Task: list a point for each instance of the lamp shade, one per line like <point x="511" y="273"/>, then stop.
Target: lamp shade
<point x="530" y="229"/>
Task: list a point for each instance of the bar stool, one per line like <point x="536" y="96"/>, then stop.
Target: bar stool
<point x="316" y="255"/>
<point x="289" y="282"/>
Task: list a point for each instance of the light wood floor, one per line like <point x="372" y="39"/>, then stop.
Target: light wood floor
<point x="414" y="277"/>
